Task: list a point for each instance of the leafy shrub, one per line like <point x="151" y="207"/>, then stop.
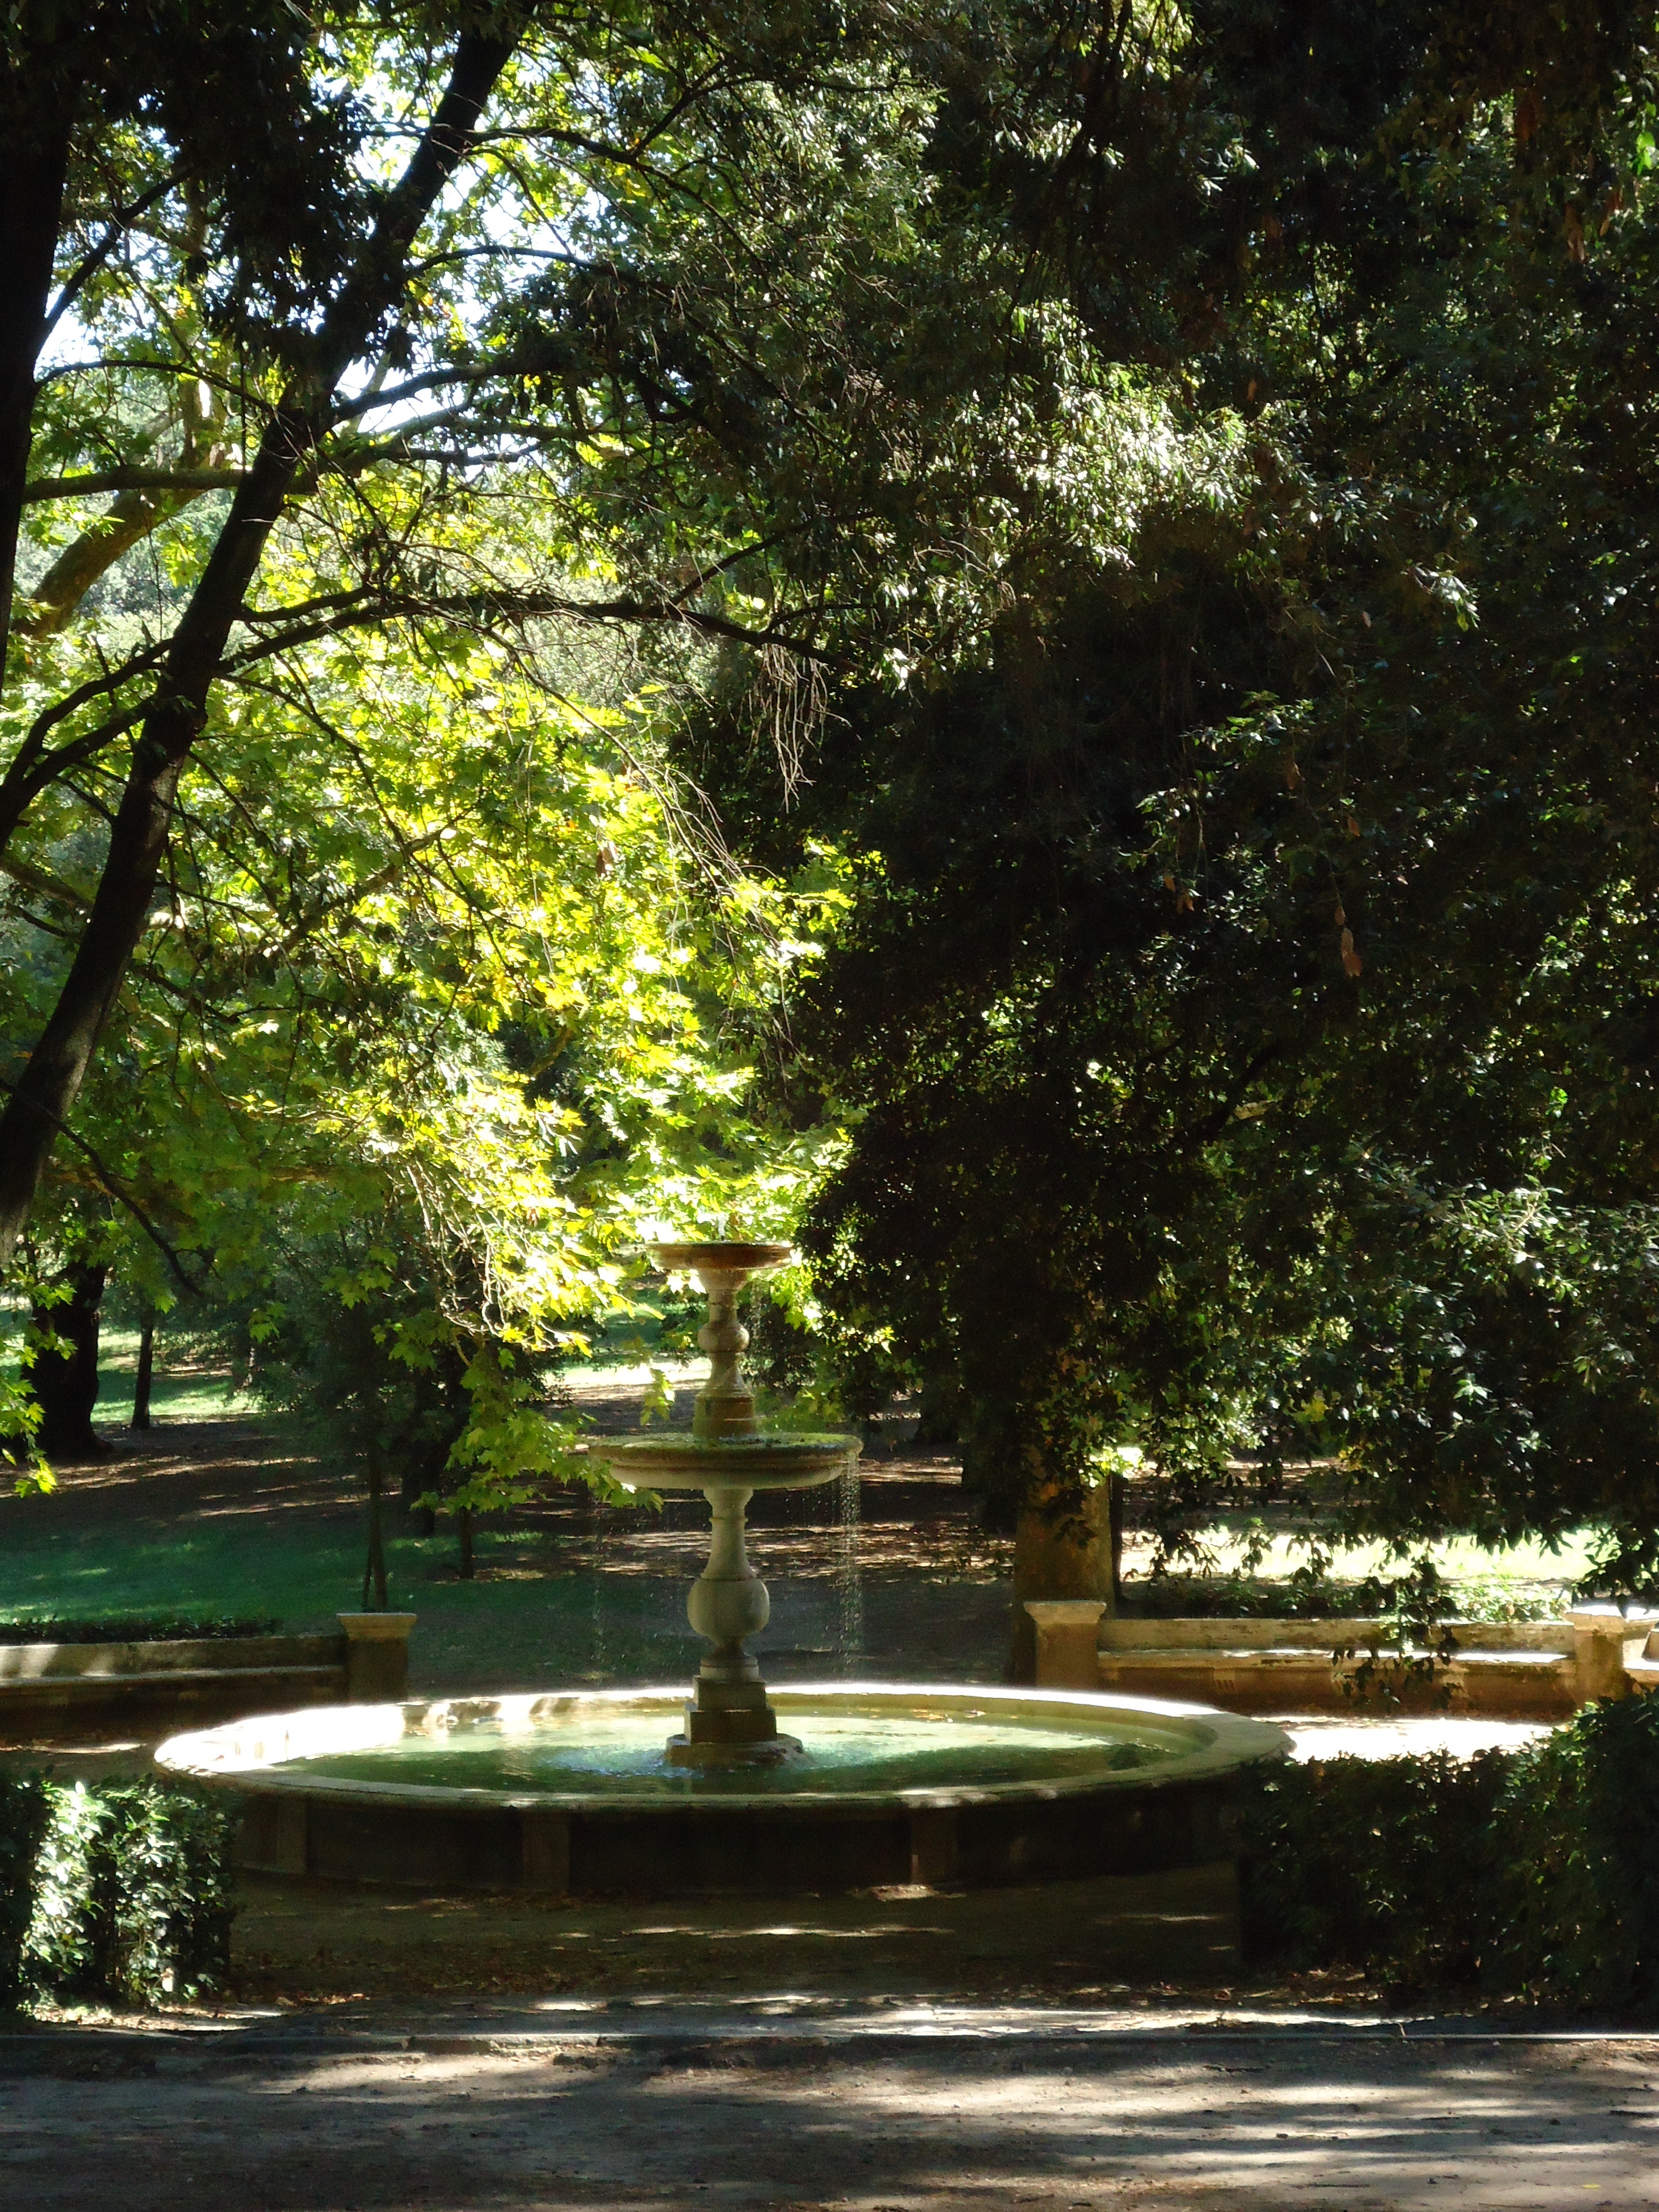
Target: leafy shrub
<point x="1366" y="1862"/>
<point x="1576" y="1863"/>
<point x="1300" y="1597"/>
<point x="1533" y="1873"/>
<point x="119" y="1895"/>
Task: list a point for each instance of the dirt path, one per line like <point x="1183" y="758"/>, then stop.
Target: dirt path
<point x="919" y="2115"/>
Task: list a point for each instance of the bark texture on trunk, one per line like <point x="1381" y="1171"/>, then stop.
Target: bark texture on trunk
<point x="39" y="1107"/>
<point x="34" y="170"/>
<point x="65" y="1383"/>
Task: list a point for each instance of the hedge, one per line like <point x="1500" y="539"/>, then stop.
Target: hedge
<point x="1532" y="1874"/>
<point x="117" y="1896"/>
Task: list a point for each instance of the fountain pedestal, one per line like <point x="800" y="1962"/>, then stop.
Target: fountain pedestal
<point x="730" y="1715"/>
<point x="729" y="1719"/>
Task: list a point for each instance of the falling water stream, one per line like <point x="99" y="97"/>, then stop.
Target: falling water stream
<point x="849" y="1585"/>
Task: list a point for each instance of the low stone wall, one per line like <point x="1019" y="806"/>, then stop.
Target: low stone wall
<point x="1517" y="1670"/>
<point x="158" y="1688"/>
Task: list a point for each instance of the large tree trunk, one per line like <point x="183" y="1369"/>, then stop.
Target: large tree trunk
<point x="32" y="170"/>
<point x="65" y="1383"/>
<point x="39" y="1107"/>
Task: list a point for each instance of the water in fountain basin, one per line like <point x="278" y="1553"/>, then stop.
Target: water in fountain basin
<point x="621" y="1752"/>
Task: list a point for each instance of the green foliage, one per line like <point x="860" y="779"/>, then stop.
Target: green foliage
<point x="143" y="1628"/>
<point x="1529" y="1873"/>
<point x="1244" y="1017"/>
<point x="1302" y="1596"/>
<point x="1373" y="1863"/>
<point x="132" y="1896"/>
<point x="1576" y="1902"/>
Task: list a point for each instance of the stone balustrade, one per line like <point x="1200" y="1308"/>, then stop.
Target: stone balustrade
<point x="1527" y="1669"/>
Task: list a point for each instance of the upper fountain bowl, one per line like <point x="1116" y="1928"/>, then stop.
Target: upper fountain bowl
<point x="719" y="1259"/>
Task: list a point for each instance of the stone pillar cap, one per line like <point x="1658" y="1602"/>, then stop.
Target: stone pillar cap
<point x="377" y="1628"/>
<point x="1054" y="1612"/>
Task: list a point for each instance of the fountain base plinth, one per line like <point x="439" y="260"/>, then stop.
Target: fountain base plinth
<point x="730" y="1722"/>
<point x="716" y="1751"/>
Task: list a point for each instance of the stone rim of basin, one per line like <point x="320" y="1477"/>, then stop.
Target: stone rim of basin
<point x="234" y="1753"/>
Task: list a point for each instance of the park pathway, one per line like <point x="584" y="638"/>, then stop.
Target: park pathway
<point x="825" y="2109"/>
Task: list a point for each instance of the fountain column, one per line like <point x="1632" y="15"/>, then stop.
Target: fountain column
<point x="725" y="1406"/>
<point x="727" y="1456"/>
<point x="728" y="1601"/>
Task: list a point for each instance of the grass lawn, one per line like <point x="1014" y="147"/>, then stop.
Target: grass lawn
<point x="287" y="1544"/>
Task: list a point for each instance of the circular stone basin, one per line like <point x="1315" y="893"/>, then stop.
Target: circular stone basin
<point x="673" y="1459"/>
<point x="571" y="1792"/>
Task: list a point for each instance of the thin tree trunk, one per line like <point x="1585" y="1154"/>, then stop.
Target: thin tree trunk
<point x="33" y="173"/>
<point x="39" y="1105"/>
<point x="146" y="1375"/>
<point x="375" y="1565"/>
<point x="463" y="1531"/>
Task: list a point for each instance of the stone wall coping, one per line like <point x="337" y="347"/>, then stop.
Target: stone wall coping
<point x="1252" y="1632"/>
<point x="377" y="1628"/>
<point x="1198" y="1657"/>
<point x="218" y="1654"/>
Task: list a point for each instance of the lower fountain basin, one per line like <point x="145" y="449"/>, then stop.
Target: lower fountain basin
<point x="571" y="1793"/>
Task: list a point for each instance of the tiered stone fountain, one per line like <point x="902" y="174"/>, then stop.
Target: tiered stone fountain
<point x="729" y="1720"/>
<point x="577" y="1791"/>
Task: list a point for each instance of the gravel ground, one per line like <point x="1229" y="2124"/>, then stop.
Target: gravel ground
<point x="925" y="2116"/>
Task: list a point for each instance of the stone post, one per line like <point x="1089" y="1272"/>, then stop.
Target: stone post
<point x="1067" y="1641"/>
<point x="1602" y="1640"/>
<point x="377" y="1656"/>
<point x="1062" y="1550"/>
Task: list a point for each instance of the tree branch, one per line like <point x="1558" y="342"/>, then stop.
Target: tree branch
<point x="370" y="288"/>
<point x="121" y="223"/>
<point x="116" y="1189"/>
<point x="193" y="481"/>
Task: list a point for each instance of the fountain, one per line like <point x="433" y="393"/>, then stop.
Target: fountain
<point x="874" y="1783"/>
<point x="729" y="1720"/>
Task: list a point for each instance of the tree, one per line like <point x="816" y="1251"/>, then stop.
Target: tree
<point x="647" y="288"/>
<point x="444" y="1012"/>
<point x="1244" y="1015"/>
